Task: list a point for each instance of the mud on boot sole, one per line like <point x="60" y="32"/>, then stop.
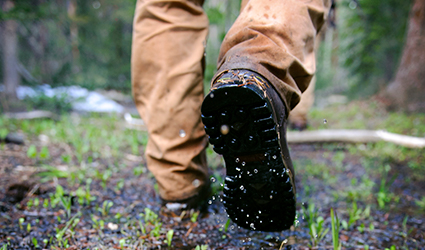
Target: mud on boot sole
<point x="258" y="193"/>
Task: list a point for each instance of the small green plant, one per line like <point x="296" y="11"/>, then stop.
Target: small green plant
<point x="44" y="153"/>
<point x="104" y="177"/>
<point x="66" y="203"/>
<point x="68" y="228"/>
<point x="35" y="242"/>
<point x="156" y="231"/>
<point x="150" y="216"/>
<point x="36" y="202"/>
<point x="421" y="203"/>
<point x="106" y="206"/>
<point x="361" y="228"/>
<point x="316" y="227"/>
<point x="194" y="217"/>
<point x="226" y="226"/>
<point x="138" y="170"/>
<point x="56" y="197"/>
<point x="97" y="224"/>
<point x="21" y="222"/>
<point x="201" y="247"/>
<point x="46" y="203"/>
<point x="335" y="223"/>
<point x="169" y="237"/>
<point x="3" y="133"/>
<point x="120" y="185"/>
<point x="50" y="172"/>
<point x="355" y="213"/>
<point x="384" y="195"/>
<point x="32" y="152"/>
<point x="122" y="242"/>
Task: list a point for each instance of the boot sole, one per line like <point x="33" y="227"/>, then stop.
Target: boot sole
<point x="258" y="194"/>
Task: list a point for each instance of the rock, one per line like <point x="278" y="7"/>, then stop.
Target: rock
<point x="16" y="138"/>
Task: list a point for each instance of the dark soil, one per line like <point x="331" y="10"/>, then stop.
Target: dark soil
<point x="382" y="229"/>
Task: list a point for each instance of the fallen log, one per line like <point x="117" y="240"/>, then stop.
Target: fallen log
<point x="320" y="136"/>
<point x="35" y="114"/>
<point x="354" y="136"/>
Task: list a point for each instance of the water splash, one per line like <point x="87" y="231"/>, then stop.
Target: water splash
<point x="182" y="133"/>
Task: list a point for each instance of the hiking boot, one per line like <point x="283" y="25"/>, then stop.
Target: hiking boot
<point x="246" y="122"/>
<point x="184" y="208"/>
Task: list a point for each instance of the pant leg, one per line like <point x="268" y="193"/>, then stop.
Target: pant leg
<point x="276" y="39"/>
<point x="298" y="116"/>
<point x="167" y="82"/>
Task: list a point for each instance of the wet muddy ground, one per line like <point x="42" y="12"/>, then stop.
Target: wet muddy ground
<point x="112" y="203"/>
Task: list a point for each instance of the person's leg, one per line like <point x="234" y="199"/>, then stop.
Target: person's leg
<point x="167" y="80"/>
<point x="266" y="60"/>
<point x="298" y="116"/>
<point x="277" y="40"/>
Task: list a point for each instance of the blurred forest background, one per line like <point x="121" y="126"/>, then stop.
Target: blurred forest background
<point x="88" y="43"/>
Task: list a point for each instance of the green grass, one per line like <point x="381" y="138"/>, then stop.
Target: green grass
<point x="358" y="177"/>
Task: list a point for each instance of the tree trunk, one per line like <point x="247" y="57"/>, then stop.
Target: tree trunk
<point x="9" y="45"/>
<point x="73" y="29"/>
<point x="407" y="91"/>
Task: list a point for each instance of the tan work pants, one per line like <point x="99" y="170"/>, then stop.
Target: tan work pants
<point x="272" y="37"/>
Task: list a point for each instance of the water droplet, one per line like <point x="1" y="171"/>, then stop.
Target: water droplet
<point x="242" y="210"/>
<point x="271" y="221"/>
<point x="271" y="197"/>
<point x="250" y="138"/>
<point x="243" y="163"/>
<point x="221" y="184"/>
<point x="196" y="183"/>
<point x="259" y="211"/>
<point x="182" y="133"/>
<point x="325" y="121"/>
<point x="212" y="95"/>
<point x="213" y="198"/>
<point x="224" y="129"/>
<point x="274" y="170"/>
<point x="247" y="215"/>
<point x="240" y="176"/>
<point x="274" y="157"/>
<point x="258" y="217"/>
<point x="261" y="221"/>
<point x="241" y="187"/>
<point x="225" y="93"/>
<point x="213" y="179"/>
<point x="255" y="170"/>
<point x="352" y="5"/>
<point x="247" y="172"/>
<point x="265" y="154"/>
<point x="237" y="160"/>
<point x="238" y="169"/>
<point x="210" y="202"/>
<point x="252" y="226"/>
